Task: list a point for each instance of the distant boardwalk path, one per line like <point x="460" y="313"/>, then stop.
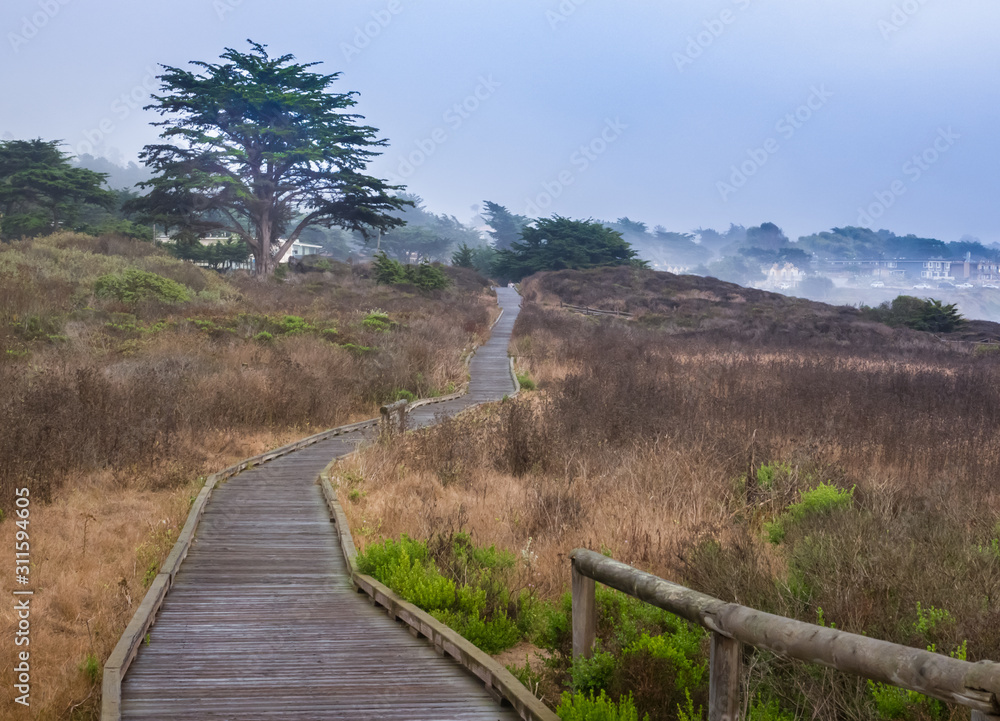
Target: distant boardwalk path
<point x="263" y="622"/>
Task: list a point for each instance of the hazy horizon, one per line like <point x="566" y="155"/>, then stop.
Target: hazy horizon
<point x="696" y="115"/>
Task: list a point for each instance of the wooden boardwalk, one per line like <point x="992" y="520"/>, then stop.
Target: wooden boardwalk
<point x="263" y="622"/>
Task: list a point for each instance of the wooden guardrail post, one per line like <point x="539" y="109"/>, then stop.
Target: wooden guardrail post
<point x="393" y="417"/>
<point x="584" y="614"/>
<point x="724" y="671"/>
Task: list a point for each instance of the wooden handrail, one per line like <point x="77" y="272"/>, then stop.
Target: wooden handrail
<point x="975" y="685"/>
<point x="594" y="311"/>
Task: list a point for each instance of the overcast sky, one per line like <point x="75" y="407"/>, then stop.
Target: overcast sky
<point x="809" y="114"/>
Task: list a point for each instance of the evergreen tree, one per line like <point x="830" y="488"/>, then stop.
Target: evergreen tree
<point x="505" y="226"/>
<point x="463" y="257"/>
<point x="557" y="243"/>
<point x="263" y="151"/>
<point x="40" y="191"/>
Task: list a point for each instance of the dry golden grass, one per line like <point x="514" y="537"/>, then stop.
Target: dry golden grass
<point x="647" y="444"/>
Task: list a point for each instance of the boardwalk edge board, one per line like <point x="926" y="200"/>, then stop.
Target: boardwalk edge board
<point x="145" y="615"/>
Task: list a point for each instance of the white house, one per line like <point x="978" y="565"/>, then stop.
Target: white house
<point x="300" y="249"/>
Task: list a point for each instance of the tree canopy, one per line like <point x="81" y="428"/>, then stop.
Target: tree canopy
<point x="918" y="313"/>
<point x="505" y="227"/>
<point x="40" y="191"/>
<point x="260" y="147"/>
<point x="556" y="243"/>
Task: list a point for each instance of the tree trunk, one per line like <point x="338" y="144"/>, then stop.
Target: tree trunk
<point x="263" y="262"/>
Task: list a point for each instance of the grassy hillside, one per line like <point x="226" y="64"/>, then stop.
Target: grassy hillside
<point x="707" y="306"/>
<point x="125" y="375"/>
<point x="783" y="454"/>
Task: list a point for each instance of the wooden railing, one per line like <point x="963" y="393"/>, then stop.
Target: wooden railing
<point x="974" y="685"/>
<point x="594" y="311"/>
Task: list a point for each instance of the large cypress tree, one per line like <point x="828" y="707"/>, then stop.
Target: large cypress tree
<point x="260" y="147"/>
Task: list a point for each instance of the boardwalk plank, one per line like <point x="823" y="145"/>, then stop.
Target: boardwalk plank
<point x="262" y="621"/>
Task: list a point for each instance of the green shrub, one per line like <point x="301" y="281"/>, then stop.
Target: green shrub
<point x="687" y="712"/>
<point x="555" y="626"/>
<point x="681" y="648"/>
<point x="263" y="337"/>
<point x="425" y="276"/>
<point x="472" y="595"/>
<point x="91" y="668"/>
<point x="823" y="499"/>
<point x="768" y="711"/>
<point x="493" y="636"/>
<point x="378" y="321"/>
<point x="580" y="707"/>
<point x="388" y="271"/>
<point x="595" y="673"/>
<point x="292" y="324"/>
<point x="132" y="285"/>
<point x="929" y="619"/>
<point x="768" y="472"/>
<point x="526" y="383"/>
<point x="403" y="566"/>
<point x="404" y="395"/>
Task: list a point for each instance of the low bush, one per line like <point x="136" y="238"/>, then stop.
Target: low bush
<point x="823" y="499"/>
<point x="472" y="596"/>
<point x="583" y="707"/>
<point x="133" y="285"/>
<point x="424" y="275"/>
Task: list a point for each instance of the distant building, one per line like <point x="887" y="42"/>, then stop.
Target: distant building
<point x="299" y="250"/>
<point x="936" y="270"/>
<point x="987" y="270"/>
<point x="899" y="270"/>
<point x="783" y="277"/>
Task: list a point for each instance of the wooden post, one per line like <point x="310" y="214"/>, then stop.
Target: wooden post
<point x="584" y="614"/>
<point x="393" y="418"/>
<point x="724" y="679"/>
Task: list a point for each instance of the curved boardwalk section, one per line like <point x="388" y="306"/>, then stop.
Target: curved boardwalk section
<point x="262" y="621"/>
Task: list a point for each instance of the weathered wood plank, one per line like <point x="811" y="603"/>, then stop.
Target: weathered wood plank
<point x="584" y="614"/>
<point x="724" y="669"/>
